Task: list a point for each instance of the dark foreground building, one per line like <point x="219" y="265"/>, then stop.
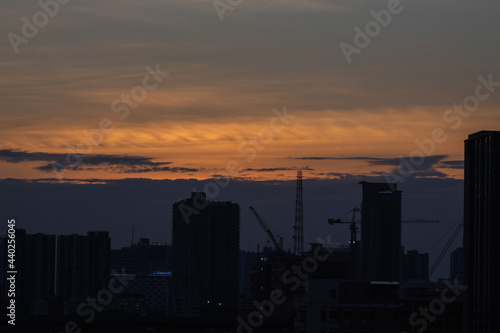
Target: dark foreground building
<point x="143" y="257"/>
<point x="341" y="306"/>
<point x="83" y="264"/>
<point x="380" y="232"/>
<point x="424" y="309"/>
<point x="35" y="263"/>
<point x="206" y="239"/>
<point x="482" y="232"/>
<point x="55" y="273"/>
<point x="415" y="266"/>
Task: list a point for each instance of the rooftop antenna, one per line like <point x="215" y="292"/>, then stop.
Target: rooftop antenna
<point x="132" y="244"/>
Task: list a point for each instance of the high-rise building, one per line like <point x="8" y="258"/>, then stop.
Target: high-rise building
<point x="415" y="266"/>
<point x="35" y="264"/>
<point x="482" y="232"/>
<point x="206" y="237"/>
<point x="380" y="232"/>
<point x="83" y="264"/>
<point x="73" y="268"/>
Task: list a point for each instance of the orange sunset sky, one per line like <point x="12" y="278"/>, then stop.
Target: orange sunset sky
<point x="225" y="78"/>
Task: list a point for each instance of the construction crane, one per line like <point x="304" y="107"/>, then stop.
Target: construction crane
<point x="353" y="243"/>
<point x="353" y="222"/>
<point x="277" y="244"/>
<point x="298" y="228"/>
<point x="446" y="247"/>
<point x="354" y="229"/>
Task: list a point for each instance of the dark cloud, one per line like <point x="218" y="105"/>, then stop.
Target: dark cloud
<point x="320" y="158"/>
<point x="424" y="167"/>
<point x="429" y="174"/>
<point x="276" y="169"/>
<point x="459" y="165"/>
<point x="142" y="169"/>
<point x="338" y="174"/>
<point x="18" y="156"/>
<point x="419" y="167"/>
<point x="97" y="162"/>
<point x="418" y="163"/>
<point x="428" y="160"/>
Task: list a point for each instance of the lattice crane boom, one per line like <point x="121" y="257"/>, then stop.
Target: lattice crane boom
<point x="272" y="238"/>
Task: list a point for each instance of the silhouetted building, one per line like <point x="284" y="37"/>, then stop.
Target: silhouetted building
<point x="272" y="272"/>
<point x="415" y="266"/>
<point x="339" y="306"/>
<point x="125" y="258"/>
<point x="246" y="261"/>
<point x="35" y="266"/>
<point x="83" y="265"/>
<point x="482" y="231"/>
<point x="457" y="262"/>
<point x="430" y="307"/>
<point x="143" y="257"/>
<point x="184" y="302"/>
<point x="338" y="264"/>
<point x="380" y="232"/>
<point x="284" y="271"/>
<point x="205" y="237"/>
<point x="144" y="294"/>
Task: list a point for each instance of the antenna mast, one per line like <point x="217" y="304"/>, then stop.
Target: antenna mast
<point x="298" y="237"/>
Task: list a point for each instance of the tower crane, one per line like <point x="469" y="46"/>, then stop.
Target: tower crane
<point x="278" y="245"/>
<point x="354" y="229"/>
<point x="353" y="243"/>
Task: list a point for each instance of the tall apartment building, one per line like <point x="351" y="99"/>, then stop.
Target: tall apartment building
<point x="380" y="232"/>
<point x="205" y="237"/>
<point x="83" y="264"/>
<point x="415" y="266"/>
<point x="35" y="266"/>
<point x="482" y="232"/>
